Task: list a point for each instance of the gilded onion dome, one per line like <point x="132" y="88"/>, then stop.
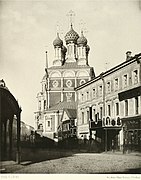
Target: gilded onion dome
<point x="82" y="40"/>
<point x="71" y="36"/>
<point x="58" y="41"/>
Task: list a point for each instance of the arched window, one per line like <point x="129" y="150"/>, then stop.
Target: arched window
<point x="40" y="127"/>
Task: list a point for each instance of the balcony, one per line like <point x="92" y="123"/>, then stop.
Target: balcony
<point x="112" y="122"/>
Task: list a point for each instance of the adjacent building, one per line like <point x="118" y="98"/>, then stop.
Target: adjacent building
<point x="109" y="107"/>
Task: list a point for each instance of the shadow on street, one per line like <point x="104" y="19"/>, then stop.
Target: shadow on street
<point x="31" y="156"/>
<point x="128" y="171"/>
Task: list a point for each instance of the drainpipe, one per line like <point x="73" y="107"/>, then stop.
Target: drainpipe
<point x="103" y="98"/>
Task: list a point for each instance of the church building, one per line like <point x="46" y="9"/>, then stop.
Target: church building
<point x="70" y="69"/>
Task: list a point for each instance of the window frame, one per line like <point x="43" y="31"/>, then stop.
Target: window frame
<point x="116" y="87"/>
<point x="117" y="109"/>
<point x="126" y="107"/>
<point x="123" y="81"/>
<point x="136" y="105"/>
<point x="108" y="88"/>
<point x="137" y="74"/>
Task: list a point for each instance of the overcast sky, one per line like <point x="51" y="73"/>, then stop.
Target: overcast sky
<point x="28" y="28"/>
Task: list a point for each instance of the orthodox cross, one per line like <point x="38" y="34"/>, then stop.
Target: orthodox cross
<point x="71" y="15"/>
<point x="46" y="57"/>
<point x="82" y="26"/>
<point x="59" y="29"/>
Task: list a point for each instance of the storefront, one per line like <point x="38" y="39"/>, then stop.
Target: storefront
<point x="132" y="134"/>
<point x="132" y="123"/>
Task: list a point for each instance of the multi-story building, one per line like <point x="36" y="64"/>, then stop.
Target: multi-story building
<point x="70" y="69"/>
<point x="109" y="106"/>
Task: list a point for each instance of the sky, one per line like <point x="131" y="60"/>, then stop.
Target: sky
<point x="28" y="28"/>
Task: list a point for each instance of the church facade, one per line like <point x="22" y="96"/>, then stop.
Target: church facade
<point x="70" y="69"/>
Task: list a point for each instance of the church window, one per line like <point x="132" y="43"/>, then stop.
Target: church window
<point x="44" y="104"/>
<point x="48" y="123"/>
<point x="57" y="52"/>
<point x="70" y="50"/>
<point x="79" y="50"/>
<point x="39" y="105"/>
<point x="40" y="127"/>
<point x="82" y="51"/>
<point x="88" y="116"/>
<point x="82" y="117"/>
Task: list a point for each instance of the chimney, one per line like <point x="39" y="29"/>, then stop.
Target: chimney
<point x="128" y="55"/>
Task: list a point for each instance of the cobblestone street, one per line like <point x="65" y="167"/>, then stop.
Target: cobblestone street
<point x="82" y="163"/>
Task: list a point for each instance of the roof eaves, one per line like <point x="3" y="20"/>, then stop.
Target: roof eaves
<point x="103" y="74"/>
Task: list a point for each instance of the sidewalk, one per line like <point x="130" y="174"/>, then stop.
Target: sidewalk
<point x="9" y="166"/>
<point x="121" y="153"/>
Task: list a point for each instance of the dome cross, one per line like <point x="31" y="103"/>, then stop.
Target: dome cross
<point x="71" y="15"/>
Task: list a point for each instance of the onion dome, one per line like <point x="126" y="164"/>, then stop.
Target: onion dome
<point x="82" y="40"/>
<point x="57" y="41"/>
<point x="87" y="48"/>
<point x="71" y="36"/>
<point x="64" y="49"/>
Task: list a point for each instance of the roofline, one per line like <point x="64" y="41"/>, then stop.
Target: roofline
<point x="62" y="67"/>
<point x="12" y="98"/>
<point x="106" y="73"/>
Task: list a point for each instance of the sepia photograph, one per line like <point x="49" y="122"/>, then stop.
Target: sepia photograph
<point x="70" y="89"/>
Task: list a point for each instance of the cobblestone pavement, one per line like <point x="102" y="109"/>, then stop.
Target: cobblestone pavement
<point x="83" y="163"/>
